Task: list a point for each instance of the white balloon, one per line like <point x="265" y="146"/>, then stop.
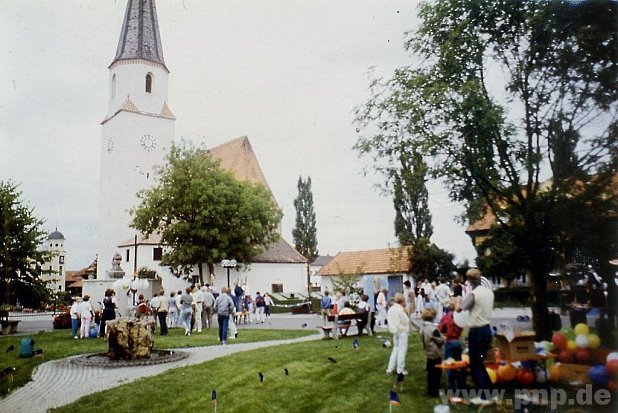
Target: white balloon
<point x="126" y="284"/>
<point x="143" y="284"/>
<point x="612" y="356"/>
<point x="581" y="341"/>
<point x="135" y="284"/>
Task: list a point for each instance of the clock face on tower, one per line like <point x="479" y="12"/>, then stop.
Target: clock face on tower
<point x="148" y="142"/>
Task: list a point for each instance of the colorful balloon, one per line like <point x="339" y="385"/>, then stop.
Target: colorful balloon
<point x="565" y="356"/>
<point x="571" y="346"/>
<point x="593" y="341"/>
<point x="506" y="371"/>
<point x="583" y="356"/>
<point x="581" y="328"/>
<point x="492" y="374"/>
<point x="581" y="341"/>
<point x="568" y="333"/>
<point x="559" y="341"/>
<point x="525" y="377"/>
<point x="554" y="373"/>
<point x="612" y="368"/>
<point x="598" y="375"/>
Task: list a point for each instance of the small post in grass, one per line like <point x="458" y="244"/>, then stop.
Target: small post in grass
<point x="214" y="399"/>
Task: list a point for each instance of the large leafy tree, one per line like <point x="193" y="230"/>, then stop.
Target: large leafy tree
<point x="515" y="103"/>
<point x="305" y="231"/>
<point x="20" y="256"/>
<point x="204" y="214"/>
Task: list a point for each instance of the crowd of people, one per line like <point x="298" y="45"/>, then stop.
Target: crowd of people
<point x="192" y="309"/>
<point x="430" y="309"/>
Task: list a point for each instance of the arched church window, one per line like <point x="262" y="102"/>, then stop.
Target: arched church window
<point x="113" y="86"/>
<point x="149" y="83"/>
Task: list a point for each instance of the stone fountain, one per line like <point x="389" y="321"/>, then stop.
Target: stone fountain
<point x="130" y="338"/>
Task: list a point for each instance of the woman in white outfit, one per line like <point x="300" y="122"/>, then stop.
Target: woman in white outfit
<point x="399" y="325"/>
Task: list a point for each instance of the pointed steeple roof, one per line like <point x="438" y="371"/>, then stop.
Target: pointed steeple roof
<point x="139" y="38"/>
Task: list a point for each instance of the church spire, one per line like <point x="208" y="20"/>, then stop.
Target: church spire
<point x="139" y="38"/>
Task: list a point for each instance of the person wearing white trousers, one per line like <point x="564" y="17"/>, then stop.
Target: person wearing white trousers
<point x="399" y="325"/>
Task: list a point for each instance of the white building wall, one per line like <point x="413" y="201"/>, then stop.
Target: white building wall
<point x="127" y="166"/>
<point x="127" y="78"/>
<point x="256" y="277"/>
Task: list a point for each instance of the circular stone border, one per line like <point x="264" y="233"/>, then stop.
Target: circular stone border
<point x="102" y="360"/>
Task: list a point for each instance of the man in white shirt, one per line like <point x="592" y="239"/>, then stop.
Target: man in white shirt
<point x="480" y="303"/>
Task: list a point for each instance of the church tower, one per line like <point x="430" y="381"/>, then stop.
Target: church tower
<point x="138" y="129"/>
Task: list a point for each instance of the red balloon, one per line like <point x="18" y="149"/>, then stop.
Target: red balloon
<point x="612" y="368"/>
<point x="582" y="356"/>
<point x="565" y="356"/>
<point x="612" y="385"/>
<point x="559" y="341"/>
<point x="525" y="377"/>
<point x="598" y="356"/>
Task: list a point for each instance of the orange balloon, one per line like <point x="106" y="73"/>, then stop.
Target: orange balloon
<point x="554" y="373"/>
<point x="506" y="372"/>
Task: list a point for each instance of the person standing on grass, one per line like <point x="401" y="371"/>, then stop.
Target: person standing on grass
<point x="86" y="312"/>
<point x="162" y="311"/>
<point x="209" y="301"/>
<point x="432" y="345"/>
<point x="456" y="379"/>
<point x="259" y="307"/>
<point x="198" y="299"/>
<point x="399" y="326"/>
<point x="480" y="303"/>
<point x="382" y="307"/>
<point x="224" y="308"/>
<point x="186" y="310"/>
<point x="74" y="312"/>
<point x="109" y="310"/>
<point x="172" y="314"/>
<point x="154" y="304"/>
<point x="268" y="302"/>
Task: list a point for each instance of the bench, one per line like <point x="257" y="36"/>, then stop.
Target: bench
<point x="9" y="326"/>
<point x="347" y="320"/>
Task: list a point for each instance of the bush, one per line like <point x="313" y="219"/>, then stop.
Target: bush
<point x="62" y="321"/>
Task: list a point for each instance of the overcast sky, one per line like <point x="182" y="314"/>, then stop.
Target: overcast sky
<point x="287" y="74"/>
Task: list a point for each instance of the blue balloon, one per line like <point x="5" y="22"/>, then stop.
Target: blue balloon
<point x="598" y="375"/>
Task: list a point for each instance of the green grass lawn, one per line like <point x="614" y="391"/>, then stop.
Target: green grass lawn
<point x="356" y="382"/>
<point x="59" y="344"/>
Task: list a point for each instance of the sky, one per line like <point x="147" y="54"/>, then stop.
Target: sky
<point x="287" y="74"/>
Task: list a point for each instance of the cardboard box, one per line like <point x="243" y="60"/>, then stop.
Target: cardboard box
<point x="520" y="347"/>
<point x="574" y="373"/>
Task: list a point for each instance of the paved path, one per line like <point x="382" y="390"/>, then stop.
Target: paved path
<point x="61" y="382"/>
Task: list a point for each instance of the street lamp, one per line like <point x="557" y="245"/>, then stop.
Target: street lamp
<point x="57" y="296"/>
<point x="228" y="264"/>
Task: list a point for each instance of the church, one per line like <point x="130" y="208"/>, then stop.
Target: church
<point x="137" y="133"/>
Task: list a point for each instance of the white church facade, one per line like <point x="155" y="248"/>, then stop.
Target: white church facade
<point x="137" y="133"/>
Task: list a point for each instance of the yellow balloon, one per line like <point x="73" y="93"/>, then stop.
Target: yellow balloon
<point x="593" y="341"/>
<point x="492" y="374"/>
<point x="581" y="328"/>
<point x="571" y="346"/>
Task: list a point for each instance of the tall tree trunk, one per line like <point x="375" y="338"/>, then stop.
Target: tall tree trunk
<point x="540" y="312"/>
<point x="201" y="272"/>
<point x="211" y="273"/>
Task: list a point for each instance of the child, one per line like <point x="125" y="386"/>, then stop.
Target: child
<point x="432" y="342"/>
<point x="456" y="379"/>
